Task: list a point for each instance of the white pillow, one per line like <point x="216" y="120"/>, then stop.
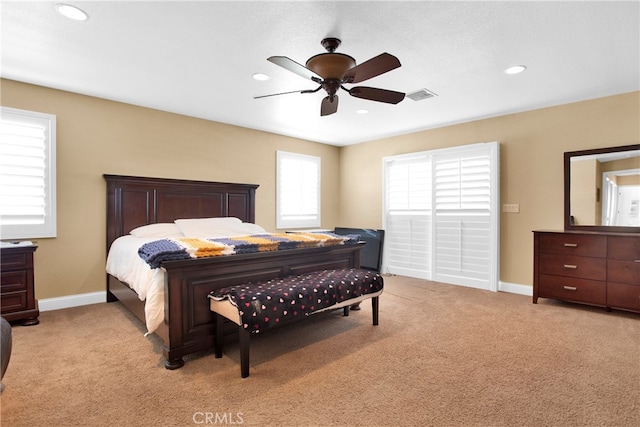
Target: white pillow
<point x="211" y="227"/>
<point x="161" y="229"/>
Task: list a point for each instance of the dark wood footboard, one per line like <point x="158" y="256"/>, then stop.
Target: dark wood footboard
<point x="190" y="323"/>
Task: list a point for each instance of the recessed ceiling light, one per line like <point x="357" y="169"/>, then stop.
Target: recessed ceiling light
<point x="516" y="69"/>
<point x="260" y="76"/>
<point x="362" y="111"/>
<point x="71" y="12"/>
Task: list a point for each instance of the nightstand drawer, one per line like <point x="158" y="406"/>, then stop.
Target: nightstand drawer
<point x="572" y="289"/>
<point x="14" y="261"/>
<point x="13" y="301"/>
<point x="574" y="266"/>
<point x="621" y="295"/>
<point x="574" y="244"/>
<point x="13" y="281"/>
<point x="17" y="293"/>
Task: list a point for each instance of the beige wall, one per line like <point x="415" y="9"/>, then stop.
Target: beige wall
<point x="584" y="191"/>
<point x="97" y="136"/>
<point x="531" y="167"/>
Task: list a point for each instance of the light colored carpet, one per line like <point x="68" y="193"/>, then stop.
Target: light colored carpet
<point x="442" y="355"/>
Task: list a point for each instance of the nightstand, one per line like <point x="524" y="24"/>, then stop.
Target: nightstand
<point x="17" y="294"/>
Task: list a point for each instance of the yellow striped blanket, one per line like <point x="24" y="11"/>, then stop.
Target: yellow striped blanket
<point x="170" y="249"/>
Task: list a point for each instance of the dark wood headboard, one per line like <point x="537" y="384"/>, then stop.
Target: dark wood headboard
<point x="134" y="201"/>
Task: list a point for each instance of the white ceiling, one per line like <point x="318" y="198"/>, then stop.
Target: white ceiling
<point x="197" y="58"/>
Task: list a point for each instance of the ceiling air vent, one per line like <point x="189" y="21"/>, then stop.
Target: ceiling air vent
<point x="421" y="94"/>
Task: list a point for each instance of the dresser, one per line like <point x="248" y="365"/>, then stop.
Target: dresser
<point x="17" y="294"/>
<point x="595" y="268"/>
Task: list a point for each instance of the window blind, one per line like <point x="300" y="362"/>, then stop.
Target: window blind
<point x="462" y="194"/>
<point x="441" y="215"/>
<point x="408" y="216"/>
<point x="298" y="190"/>
<point x="27" y="174"/>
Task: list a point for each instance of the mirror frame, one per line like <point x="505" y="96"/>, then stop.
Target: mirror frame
<point x="567" y="191"/>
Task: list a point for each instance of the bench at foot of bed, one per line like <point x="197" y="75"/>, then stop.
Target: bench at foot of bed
<point x="258" y="306"/>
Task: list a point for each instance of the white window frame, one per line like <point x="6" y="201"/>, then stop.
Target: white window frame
<point x="301" y="184"/>
<point x="45" y="226"/>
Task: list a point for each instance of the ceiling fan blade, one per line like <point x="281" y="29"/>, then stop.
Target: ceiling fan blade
<point x="293" y="91"/>
<point x="294" y="67"/>
<point x="371" y="68"/>
<point x="328" y="106"/>
<point x="276" y="94"/>
<point x="375" y="94"/>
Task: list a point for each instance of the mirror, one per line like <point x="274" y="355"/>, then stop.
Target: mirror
<point x="602" y="189"/>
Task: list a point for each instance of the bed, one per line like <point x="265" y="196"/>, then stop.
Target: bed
<point x="188" y="325"/>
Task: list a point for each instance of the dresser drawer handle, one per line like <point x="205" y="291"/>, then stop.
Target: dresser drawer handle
<point x="570" y="245"/>
<point x="570" y="288"/>
<point x="637" y="260"/>
<point x="573" y="267"/>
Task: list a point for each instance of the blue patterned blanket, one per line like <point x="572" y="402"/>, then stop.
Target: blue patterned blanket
<point x="171" y="249"/>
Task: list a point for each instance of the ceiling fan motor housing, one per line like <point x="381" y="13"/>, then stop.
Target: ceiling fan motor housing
<point x="331" y="65"/>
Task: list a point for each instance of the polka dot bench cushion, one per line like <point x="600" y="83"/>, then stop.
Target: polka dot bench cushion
<point x="257" y="306"/>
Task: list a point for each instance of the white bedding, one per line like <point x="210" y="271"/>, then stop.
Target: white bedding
<point x="124" y="263"/>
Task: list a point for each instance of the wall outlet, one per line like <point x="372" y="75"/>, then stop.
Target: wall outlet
<point x="511" y="208"/>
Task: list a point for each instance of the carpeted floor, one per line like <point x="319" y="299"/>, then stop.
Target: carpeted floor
<point x="442" y="355"/>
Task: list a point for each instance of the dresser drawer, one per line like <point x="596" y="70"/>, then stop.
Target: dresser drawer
<point x="572" y="289"/>
<point x="12" y="281"/>
<point x="623" y="271"/>
<point x="574" y="244"/>
<point x="624" y="248"/>
<point x="573" y="266"/>
<point x="13" y="301"/>
<point x="621" y="295"/>
<point x="14" y="261"/>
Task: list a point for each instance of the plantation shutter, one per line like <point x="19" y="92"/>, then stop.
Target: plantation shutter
<point x="441" y="215"/>
<point x="298" y="190"/>
<point x="408" y="217"/>
<point x="462" y="194"/>
<point x="27" y="174"/>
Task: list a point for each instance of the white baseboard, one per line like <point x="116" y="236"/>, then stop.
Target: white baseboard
<point x="49" y="304"/>
<point x="515" y="288"/>
<point x="58" y="303"/>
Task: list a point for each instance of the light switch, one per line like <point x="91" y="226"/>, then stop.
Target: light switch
<point x="511" y="208"/>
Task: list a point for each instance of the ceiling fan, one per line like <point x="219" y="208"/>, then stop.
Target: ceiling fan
<point x="332" y="70"/>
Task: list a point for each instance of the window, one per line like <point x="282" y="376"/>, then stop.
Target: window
<point x="442" y="215"/>
<point x="298" y="191"/>
<point x="27" y="174"/>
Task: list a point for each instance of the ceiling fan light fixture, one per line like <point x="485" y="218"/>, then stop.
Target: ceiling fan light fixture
<point x="261" y="77"/>
<point x="331" y="65"/>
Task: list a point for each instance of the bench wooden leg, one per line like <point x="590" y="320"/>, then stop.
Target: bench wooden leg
<point x="374" y="309"/>
<point x="244" y="336"/>
<point x="219" y="335"/>
<point x="345" y="311"/>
